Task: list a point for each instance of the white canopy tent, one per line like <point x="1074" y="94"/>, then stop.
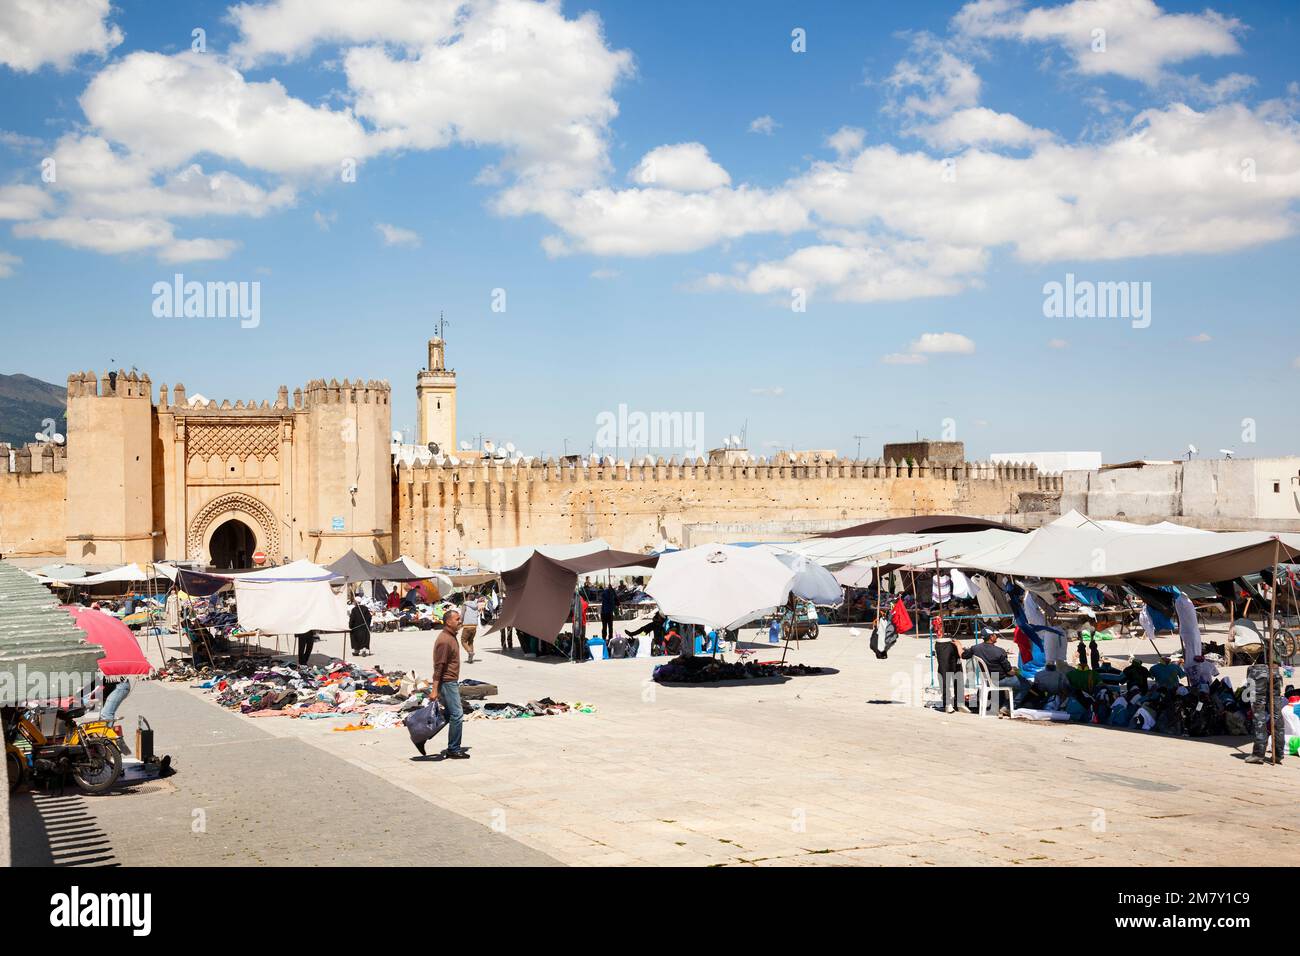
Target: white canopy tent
<point x="1096" y="554"/>
<point x="127" y="574"/>
<point x="290" y="599"/>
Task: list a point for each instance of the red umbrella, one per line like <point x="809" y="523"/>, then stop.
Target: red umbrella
<point x="122" y="654"/>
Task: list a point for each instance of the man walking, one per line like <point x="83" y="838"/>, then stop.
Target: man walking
<point x="469" y="618"/>
<point x="445" y="684"/>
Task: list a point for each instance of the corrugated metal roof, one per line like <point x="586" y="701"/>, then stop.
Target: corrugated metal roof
<point x="43" y="654"/>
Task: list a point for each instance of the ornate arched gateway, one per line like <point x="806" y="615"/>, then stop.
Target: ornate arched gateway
<point x="252" y="512"/>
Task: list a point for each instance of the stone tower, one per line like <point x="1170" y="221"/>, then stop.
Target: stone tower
<point x="110" y="518"/>
<point x="435" y="393"/>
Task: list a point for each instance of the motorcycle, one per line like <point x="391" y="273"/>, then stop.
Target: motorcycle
<point x="87" y="752"/>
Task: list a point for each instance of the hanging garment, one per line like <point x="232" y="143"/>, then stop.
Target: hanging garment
<point x="961" y="586"/>
<point x="901" y="619"/>
<point x="942" y="589"/>
<point x="1189" y="629"/>
<point x="984" y="595"/>
<point x="883" y="637"/>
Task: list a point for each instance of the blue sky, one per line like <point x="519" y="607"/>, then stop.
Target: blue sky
<point x="597" y="163"/>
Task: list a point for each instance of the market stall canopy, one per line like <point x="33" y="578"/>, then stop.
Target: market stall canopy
<point x="833" y="553"/>
<point x="1096" y="554"/>
<point x="918" y="524"/>
<point x="408" y="569"/>
<point x="291" y="599"/>
<point x="949" y="552"/>
<point x="720" y="585"/>
<point x="504" y="559"/>
<point x="539" y="593"/>
<point x="130" y="573"/>
<point x="122" y="654"/>
<point x="1075" y="519"/>
<point x="206" y="583"/>
<point x="355" y="569"/>
<point x="61" y="572"/>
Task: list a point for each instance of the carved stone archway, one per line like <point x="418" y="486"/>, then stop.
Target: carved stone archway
<point x="260" y="518"/>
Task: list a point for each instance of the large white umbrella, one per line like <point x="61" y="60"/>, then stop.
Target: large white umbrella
<point x="812" y="582"/>
<point x="720" y="585"/>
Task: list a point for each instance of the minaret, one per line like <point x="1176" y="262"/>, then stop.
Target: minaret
<point x="435" y="393"/>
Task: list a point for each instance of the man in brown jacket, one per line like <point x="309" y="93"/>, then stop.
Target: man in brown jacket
<point x="445" y="684"/>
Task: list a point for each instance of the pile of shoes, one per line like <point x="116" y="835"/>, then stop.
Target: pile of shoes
<point x="708" y="670"/>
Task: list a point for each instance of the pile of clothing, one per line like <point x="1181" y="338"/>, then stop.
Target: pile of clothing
<point x="260" y="687"/>
<point x="534" y="708"/>
<point x="708" y="670"/>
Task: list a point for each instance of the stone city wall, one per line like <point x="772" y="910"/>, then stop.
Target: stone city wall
<point x="441" y="512"/>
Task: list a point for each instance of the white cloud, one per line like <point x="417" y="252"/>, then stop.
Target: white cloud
<point x="1140" y="39"/>
<point x="289" y="29"/>
<point x="933" y="80"/>
<point x="23" y="202"/>
<point x="513" y="74"/>
<point x="770" y="391"/>
<point x="324" y="220"/>
<point x="605" y="273"/>
<point x="1200" y="337"/>
<point x="931" y="343"/>
<point x="685" y="167"/>
<point x="942" y="343"/>
<point x="979" y="126"/>
<point x="861" y="268"/>
<point x="763" y="124"/>
<point x="1058" y="344"/>
<point x="34" y="33"/>
<point x="396" y="235"/>
<point x="7" y="264"/>
<point x="114" y="236"/>
<point x="847" y="140"/>
<point x="643" y="222"/>
<point x="167" y="109"/>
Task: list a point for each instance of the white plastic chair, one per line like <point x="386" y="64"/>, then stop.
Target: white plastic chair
<point x="987" y="688"/>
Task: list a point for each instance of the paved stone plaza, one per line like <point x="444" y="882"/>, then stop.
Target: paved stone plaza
<point x="821" y="770"/>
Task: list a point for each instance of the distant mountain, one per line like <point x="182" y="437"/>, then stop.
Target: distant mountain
<point x="25" y="403"/>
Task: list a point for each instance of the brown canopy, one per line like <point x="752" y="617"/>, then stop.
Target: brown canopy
<point x="918" y="524"/>
<point x="539" y="593"/>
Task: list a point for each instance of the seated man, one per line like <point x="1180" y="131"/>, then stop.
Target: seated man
<point x="999" y="666"/>
<point x="1050" y="681"/>
<point x="1167" y="674"/>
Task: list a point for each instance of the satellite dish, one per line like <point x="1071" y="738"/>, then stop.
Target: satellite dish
<point x="1191" y="449"/>
<point x="464" y="446"/>
<point x="58" y="439"/>
<point x="42" y="437"/>
<point x="397" y="437"/>
<point x="1226" y="452"/>
<point x="488" y="444"/>
<point x="510" y="448"/>
<point x="434" y="449"/>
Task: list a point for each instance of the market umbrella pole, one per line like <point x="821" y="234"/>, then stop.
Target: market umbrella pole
<point x="1273" y="731"/>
